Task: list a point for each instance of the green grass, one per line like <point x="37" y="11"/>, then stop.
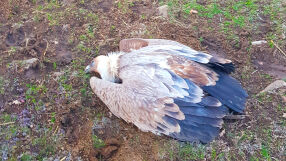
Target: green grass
<point x="33" y="92"/>
<point x="190" y="152"/>
<point x="97" y="142"/>
<point x="26" y="157"/>
<point x="2" y="83"/>
<point x="234" y="14"/>
<point x="173" y="150"/>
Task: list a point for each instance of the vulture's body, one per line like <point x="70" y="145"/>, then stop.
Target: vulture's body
<point x="168" y="88"/>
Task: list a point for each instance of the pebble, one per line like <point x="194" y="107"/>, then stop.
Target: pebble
<point x="258" y="42"/>
<point x="163" y="11"/>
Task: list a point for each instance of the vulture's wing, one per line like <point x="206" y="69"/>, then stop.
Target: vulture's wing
<point x="162" y="93"/>
<point x="225" y="88"/>
<point x="177" y="48"/>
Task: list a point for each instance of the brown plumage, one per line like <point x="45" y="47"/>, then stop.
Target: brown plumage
<point x="165" y="87"/>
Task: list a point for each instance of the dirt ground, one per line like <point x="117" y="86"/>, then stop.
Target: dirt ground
<point x="48" y="111"/>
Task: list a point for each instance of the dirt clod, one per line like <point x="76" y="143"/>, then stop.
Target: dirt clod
<point x="107" y="151"/>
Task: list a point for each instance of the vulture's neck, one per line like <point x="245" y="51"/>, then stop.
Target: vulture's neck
<point x="110" y="68"/>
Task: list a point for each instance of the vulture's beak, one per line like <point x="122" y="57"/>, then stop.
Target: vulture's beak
<point x="89" y="67"/>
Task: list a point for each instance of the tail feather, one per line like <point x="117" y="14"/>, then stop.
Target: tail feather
<point x="221" y="65"/>
<point x="229" y="92"/>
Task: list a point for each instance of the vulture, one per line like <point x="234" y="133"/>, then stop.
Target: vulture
<point x="165" y="87"/>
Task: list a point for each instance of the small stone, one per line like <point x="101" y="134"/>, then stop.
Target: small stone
<point x="193" y="11"/>
<point x="284" y="99"/>
<point x="23" y="65"/>
<point x="275" y="85"/>
<point x="31" y="63"/>
<point x="284" y="115"/>
<point x="258" y="42"/>
<point x="16" y="102"/>
<point x="163" y="11"/>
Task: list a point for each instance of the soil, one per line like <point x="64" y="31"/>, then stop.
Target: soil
<point x="80" y="116"/>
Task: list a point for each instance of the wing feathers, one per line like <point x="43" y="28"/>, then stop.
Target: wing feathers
<point x="229" y="92"/>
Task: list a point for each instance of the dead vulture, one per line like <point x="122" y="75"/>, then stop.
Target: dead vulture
<point x="165" y="87"/>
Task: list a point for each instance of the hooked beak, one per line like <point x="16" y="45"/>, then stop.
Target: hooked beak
<point x="88" y="68"/>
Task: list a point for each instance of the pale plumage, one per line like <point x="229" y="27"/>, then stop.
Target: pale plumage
<point x="168" y="88"/>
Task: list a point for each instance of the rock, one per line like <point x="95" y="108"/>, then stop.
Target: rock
<point x="193" y="11"/>
<point x="258" y="42"/>
<point x="275" y="85"/>
<point x="23" y="65"/>
<point x="30" y="63"/>
<point x="163" y="11"/>
<point x="284" y="99"/>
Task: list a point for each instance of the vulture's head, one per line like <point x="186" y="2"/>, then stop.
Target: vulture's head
<point x="105" y="66"/>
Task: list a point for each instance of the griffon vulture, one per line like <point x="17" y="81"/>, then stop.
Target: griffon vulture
<point x="165" y="87"/>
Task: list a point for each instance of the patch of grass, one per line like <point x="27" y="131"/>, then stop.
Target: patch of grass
<point x="265" y="153"/>
<point x="190" y="152"/>
<point x="124" y="5"/>
<point x="53" y="117"/>
<point x="97" y="142"/>
<point x="82" y="48"/>
<point x="173" y="150"/>
<point x="54" y="65"/>
<point x="52" y="18"/>
<point x="8" y="131"/>
<point x="266" y="76"/>
<point x="26" y="157"/>
<point x="233" y="15"/>
<point x="45" y="144"/>
<point x="2" y="83"/>
<point x="33" y="93"/>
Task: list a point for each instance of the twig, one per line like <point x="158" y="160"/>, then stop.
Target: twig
<point x="6" y="123"/>
<point x="278" y="47"/>
<point x="27" y="41"/>
<point x="235" y="117"/>
<point x="46" y="47"/>
<point x="254" y="72"/>
<point x="56" y="130"/>
<point x="63" y="158"/>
